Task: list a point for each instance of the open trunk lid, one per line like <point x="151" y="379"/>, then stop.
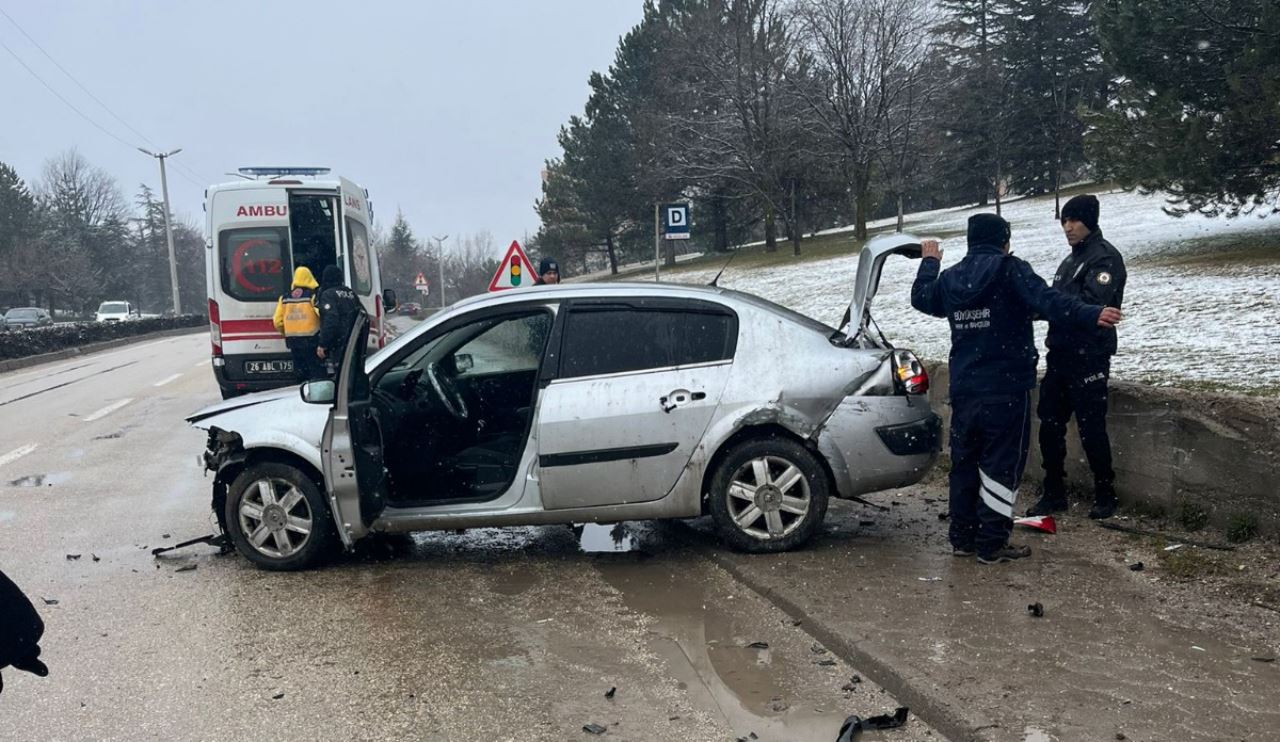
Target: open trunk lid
<point x="857" y="318"/>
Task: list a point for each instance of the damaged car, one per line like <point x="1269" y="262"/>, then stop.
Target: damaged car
<point x="580" y="403"/>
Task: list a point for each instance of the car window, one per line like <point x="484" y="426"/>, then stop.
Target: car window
<point x="22" y="314"/>
<point x="113" y="307"/>
<point x="610" y="340"/>
<point x="509" y="346"/>
<point x="360" y="256"/>
<point x="255" y="263"/>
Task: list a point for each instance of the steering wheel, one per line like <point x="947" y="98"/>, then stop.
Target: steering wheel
<point x="448" y="392"/>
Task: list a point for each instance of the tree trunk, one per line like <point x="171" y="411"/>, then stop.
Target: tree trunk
<point x="999" y="183"/>
<point x="613" y="256"/>
<point x="1057" y="187"/>
<point x="862" y="196"/>
<point x="770" y="230"/>
<point x="720" y="221"/>
<point x="793" y="224"/>
<point x="900" y="219"/>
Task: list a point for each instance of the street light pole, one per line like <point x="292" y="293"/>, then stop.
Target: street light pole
<point x="168" y="228"/>
<point x="440" y="263"/>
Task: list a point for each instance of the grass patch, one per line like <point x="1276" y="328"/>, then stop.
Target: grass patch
<point x="1189" y="563"/>
<point x="1242" y="527"/>
<point x="1191" y="515"/>
<point x="1218" y="251"/>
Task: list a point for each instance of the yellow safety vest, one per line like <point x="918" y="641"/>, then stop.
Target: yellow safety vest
<point x="300" y="316"/>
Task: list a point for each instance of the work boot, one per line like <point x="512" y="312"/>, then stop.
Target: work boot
<point x="1104" y="502"/>
<point x="1006" y="553"/>
<point x="963" y="551"/>
<point x="1053" y="498"/>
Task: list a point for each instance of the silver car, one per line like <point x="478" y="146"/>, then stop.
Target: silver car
<point x="579" y="403"/>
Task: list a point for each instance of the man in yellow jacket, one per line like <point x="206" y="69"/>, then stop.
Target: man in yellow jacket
<point x="299" y="320"/>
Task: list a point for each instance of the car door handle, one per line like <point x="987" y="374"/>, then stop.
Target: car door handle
<point x="679" y="397"/>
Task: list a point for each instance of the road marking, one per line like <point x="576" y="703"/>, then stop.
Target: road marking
<point x="167" y="379"/>
<point x="17" y="453"/>
<point x="108" y="410"/>
<point x="201" y="364"/>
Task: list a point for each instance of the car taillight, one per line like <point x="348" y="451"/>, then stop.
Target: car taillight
<point x="910" y="372"/>
<point x="215" y="328"/>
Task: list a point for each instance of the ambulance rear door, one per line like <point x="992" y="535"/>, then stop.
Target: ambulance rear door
<point x="361" y="260"/>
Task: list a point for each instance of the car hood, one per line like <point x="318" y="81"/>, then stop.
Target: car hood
<point x="239" y="403"/>
<point x="870" y="264"/>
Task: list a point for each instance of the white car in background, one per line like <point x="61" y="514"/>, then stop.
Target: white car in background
<point x="116" y="311"/>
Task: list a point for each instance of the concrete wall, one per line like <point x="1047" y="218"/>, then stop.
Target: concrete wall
<point x="1218" y="451"/>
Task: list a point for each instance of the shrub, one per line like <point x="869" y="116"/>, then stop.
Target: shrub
<point x="23" y="343"/>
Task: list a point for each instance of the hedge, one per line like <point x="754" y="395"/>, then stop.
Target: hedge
<point x="23" y="343"/>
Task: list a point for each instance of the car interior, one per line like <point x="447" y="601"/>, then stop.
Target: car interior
<point x="455" y="412"/>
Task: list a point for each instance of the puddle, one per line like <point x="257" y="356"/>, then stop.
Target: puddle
<point x="597" y="538"/>
<point x="706" y="645"/>
<point x="41" y="480"/>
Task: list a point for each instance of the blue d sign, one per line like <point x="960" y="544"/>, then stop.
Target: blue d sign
<point x="675" y="219"/>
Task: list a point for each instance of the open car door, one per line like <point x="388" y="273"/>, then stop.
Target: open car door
<point x="351" y="450"/>
<point x="857" y="318"/>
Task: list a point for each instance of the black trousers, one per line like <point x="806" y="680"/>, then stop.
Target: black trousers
<point x="306" y="366"/>
<point x="1075" y="385"/>
<point x="990" y="437"/>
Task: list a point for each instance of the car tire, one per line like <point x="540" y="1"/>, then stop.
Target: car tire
<point x="778" y="514"/>
<point x="267" y="525"/>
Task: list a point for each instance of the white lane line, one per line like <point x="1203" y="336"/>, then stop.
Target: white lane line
<point x="17" y="453"/>
<point x="167" y="379"/>
<point x="108" y="410"/>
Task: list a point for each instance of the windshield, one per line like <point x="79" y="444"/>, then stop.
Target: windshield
<point x="113" y="307"/>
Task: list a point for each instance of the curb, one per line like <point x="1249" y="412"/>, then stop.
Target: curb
<point x="881" y="669"/>
<point x="61" y="355"/>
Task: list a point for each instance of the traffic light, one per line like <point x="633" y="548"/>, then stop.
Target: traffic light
<point x="515" y="270"/>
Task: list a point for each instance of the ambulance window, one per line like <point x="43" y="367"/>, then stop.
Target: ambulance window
<point x="361" y="258"/>
<point x="314" y="232"/>
<point x="254" y="262"/>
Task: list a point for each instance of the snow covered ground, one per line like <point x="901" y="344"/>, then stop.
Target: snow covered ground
<point x="1217" y="323"/>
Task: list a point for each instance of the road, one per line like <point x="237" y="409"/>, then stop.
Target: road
<point x="518" y="634"/>
<point x="512" y="634"/>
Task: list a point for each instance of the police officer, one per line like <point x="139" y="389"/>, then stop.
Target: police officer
<point x="548" y="272"/>
<point x="339" y="308"/>
<point x="989" y="300"/>
<point x="296" y="317"/>
<point x="1079" y="364"/>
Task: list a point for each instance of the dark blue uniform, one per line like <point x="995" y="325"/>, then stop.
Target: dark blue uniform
<point x="989" y="299"/>
<point x="1079" y="365"/>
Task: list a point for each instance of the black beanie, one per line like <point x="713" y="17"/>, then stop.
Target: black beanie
<point x="1083" y="208"/>
<point x="548" y="264"/>
<point x="332" y="276"/>
<point x="988" y="229"/>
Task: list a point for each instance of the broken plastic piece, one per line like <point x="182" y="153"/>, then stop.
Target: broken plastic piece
<point x="827" y="663"/>
<point x="1035" y="609"/>
<point x="854" y="726"/>
<point x="72" y="557"/>
<point x="594" y="729"/>
<point x="221" y="541"/>
<point x="1044" y="523"/>
<point x="186" y="568"/>
<point x="758" y="645"/>
<point x="1137" y="567"/>
<point x="610" y="693"/>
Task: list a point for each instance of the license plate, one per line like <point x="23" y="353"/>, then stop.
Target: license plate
<point x="268" y="367"/>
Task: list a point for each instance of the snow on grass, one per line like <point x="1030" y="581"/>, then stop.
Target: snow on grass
<point x="1215" y="322"/>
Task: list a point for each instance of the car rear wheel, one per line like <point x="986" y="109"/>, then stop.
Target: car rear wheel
<point x="278" y="519"/>
<point x="768" y="495"/>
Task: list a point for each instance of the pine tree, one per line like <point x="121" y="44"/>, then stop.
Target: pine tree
<point x="1196" y="106"/>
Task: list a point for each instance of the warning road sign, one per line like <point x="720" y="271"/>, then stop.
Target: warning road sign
<point x="515" y="271"/>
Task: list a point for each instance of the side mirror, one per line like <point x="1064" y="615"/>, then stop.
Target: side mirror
<point x="463" y="362"/>
<point x="322" y="391"/>
<point x="389" y="299"/>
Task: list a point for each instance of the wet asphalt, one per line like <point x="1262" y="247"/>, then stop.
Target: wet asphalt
<point x="490" y="634"/>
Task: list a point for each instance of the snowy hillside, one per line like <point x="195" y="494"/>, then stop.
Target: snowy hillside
<point x="1216" y="322"/>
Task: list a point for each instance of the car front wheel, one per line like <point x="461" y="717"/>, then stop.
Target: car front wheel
<point x="768" y="495"/>
<point x="278" y="518"/>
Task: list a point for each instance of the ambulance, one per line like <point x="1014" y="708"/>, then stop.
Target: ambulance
<point x="261" y="228"/>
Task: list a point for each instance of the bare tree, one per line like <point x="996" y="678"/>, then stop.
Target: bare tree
<point x="867" y="55"/>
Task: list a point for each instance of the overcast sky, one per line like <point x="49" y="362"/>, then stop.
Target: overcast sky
<point x="444" y="109"/>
